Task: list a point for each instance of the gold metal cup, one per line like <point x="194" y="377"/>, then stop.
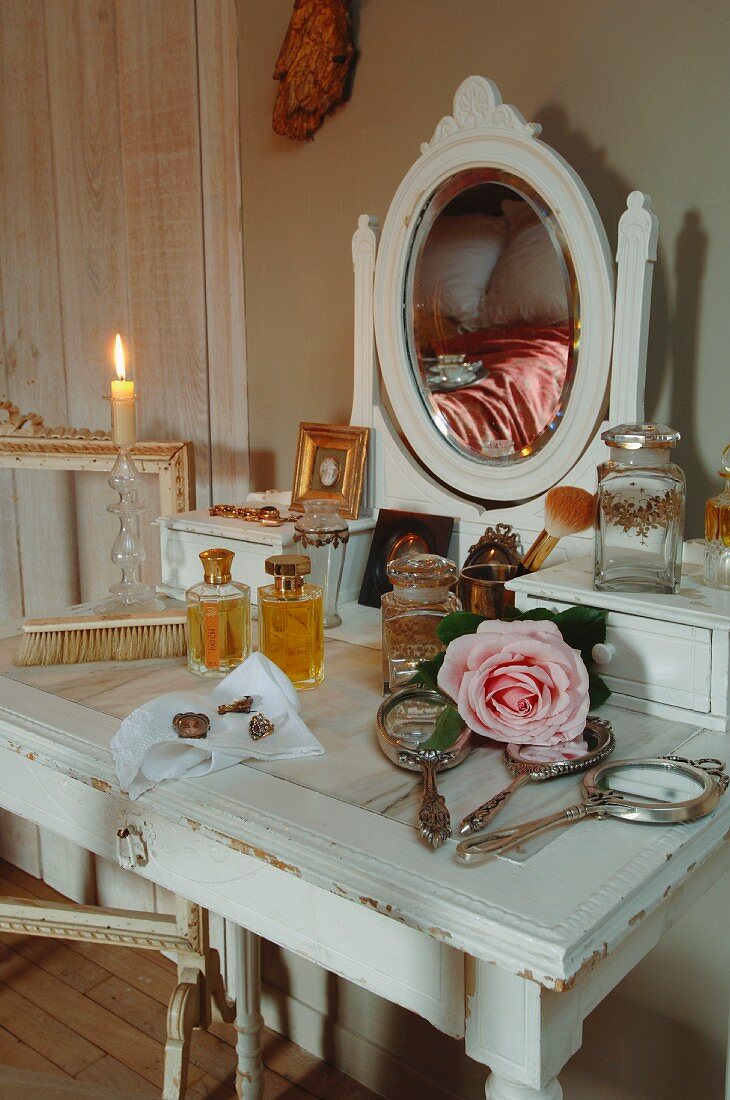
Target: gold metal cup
<point x="481" y="588"/>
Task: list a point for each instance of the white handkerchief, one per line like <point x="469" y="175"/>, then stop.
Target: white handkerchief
<point x="146" y="748"/>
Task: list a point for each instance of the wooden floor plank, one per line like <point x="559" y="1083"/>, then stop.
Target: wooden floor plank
<point x="19" y="1056"/>
<point x="57" y="958"/>
<point x="111" y="1074"/>
<point x="114" y="1036"/>
<point x="43" y="1032"/>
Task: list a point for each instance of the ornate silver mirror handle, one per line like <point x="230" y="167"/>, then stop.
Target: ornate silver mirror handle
<point x="434" y="815"/>
<point x="483" y="814"/>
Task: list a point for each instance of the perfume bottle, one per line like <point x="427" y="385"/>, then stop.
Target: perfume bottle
<point x="324" y="535"/>
<point x="291" y="629"/>
<point x="638" y="543"/>
<point x="717" y="531"/>
<point x="219" y="617"/>
<point x="421" y="597"/>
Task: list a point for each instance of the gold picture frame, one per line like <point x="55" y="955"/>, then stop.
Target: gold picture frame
<point x="330" y="465"/>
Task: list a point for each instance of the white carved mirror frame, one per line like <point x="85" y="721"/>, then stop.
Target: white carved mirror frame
<point x="484" y="132"/>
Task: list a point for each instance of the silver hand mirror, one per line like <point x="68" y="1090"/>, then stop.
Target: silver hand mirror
<point x="659" y="790"/>
<point x="533" y="763"/>
<point x="405" y="721"/>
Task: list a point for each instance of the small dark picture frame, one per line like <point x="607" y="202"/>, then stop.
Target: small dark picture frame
<point x="397" y="534"/>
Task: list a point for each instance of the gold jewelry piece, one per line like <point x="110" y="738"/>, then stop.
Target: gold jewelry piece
<point x="190" y="725"/>
<point x="238" y="706"/>
<point x="260" y="726"/>
<point x="268" y="516"/>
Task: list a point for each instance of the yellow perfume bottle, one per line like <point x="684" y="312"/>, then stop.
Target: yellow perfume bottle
<point x="219" y="617"/>
<point x="291" y="630"/>
<point x="717" y="531"/>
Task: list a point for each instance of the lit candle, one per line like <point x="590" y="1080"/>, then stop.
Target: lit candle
<point x="123" y="417"/>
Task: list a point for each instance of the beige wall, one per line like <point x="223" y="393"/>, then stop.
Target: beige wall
<point x="633" y="95"/>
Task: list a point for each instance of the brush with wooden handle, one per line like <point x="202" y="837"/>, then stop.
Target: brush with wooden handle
<point x="90" y="636"/>
<point x="568" y="510"/>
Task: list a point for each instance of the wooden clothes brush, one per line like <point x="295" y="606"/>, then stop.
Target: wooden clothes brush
<point x="568" y="510"/>
<point x="75" y="639"/>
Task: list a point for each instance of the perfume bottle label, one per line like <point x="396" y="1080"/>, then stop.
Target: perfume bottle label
<point x="211" y="634"/>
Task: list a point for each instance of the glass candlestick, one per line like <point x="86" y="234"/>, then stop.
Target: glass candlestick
<point x="131" y="594"/>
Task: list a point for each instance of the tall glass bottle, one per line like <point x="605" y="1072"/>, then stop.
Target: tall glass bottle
<point x="717" y="531"/>
<point x="324" y="535"/>
<point x="420" y="598"/>
<point x="291" y="631"/>
<point x="638" y="544"/>
<point x="219" y="617"/>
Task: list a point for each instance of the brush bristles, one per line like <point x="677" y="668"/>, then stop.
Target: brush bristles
<point x="127" y="643"/>
<point x="569" y="510"/>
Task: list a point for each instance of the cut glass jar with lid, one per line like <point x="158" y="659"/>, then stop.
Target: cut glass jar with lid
<point x="638" y="545"/>
<point x="717" y="531"/>
<point x="323" y="535"/>
<point x="421" y="597"/>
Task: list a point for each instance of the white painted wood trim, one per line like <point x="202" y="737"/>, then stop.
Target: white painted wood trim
<point x="638" y="232"/>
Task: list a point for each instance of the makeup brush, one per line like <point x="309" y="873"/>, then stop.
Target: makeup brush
<point x="568" y="510"/>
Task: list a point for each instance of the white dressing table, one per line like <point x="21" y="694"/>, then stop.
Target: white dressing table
<point x="322" y="856"/>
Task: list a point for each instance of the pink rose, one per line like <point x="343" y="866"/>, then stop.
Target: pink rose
<point x="517" y="682"/>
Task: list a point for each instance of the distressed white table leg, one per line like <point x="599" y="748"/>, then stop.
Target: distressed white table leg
<point x="500" y="1088"/>
<point x="524" y="1033"/>
<point x="249" y="1021"/>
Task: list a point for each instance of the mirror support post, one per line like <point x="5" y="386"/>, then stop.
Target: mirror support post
<point x="366" y="390"/>
<point x="638" y="231"/>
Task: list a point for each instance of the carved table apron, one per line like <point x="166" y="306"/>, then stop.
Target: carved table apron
<point x="322" y="856"/>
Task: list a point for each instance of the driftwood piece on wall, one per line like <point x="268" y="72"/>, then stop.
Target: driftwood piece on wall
<point x="313" y="66"/>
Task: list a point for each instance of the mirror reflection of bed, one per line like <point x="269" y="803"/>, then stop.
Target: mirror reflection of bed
<point x="493" y="323"/>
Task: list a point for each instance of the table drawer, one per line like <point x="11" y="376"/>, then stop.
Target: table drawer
<point x="657" y="661"/>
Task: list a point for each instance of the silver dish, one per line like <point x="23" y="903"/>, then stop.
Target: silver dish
<point x="405" y="721"/>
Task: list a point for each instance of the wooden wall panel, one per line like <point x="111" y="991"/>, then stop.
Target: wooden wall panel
<point x="29" y="278"/>
<point x="162" y="181"/>
<point x="226" y="333"/>
<point x="120" y="178"/>
<point x="83" y="87"/>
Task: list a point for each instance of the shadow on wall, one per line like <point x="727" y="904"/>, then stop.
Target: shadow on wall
<point x="672" y="1060"/>
<point x="689" y="268"/>
<point x="672" y="358"/>
<point x="263" y="472"/>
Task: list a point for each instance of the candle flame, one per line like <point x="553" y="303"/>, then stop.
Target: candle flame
<point x="119" y="358"/>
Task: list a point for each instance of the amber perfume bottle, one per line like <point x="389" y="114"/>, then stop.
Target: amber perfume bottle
<point x="717" y="531"/>
<point x="219" y="617"/>
<point x="291" y="630"/>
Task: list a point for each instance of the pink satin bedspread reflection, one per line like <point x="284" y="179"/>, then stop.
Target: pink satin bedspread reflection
<point x="526" y="367"/>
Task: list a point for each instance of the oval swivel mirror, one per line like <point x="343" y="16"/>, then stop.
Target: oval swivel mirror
<point x="493" y="305"/>
<point x="491" y="315"/>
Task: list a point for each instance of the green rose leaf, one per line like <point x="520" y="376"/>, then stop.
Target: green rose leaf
<point x="581" y="627"/>
<point x="428" y="671"/>
<point x="598" y="690"/>
<point x="449" y="725"/>
<point x="457" y="624"/>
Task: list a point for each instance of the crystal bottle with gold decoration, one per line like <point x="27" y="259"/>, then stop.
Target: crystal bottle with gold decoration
<point x="717" y="531"/>
<point x="291" y="630"/>
<point x="219" y="617"/>
<point x="638" y="543"/>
